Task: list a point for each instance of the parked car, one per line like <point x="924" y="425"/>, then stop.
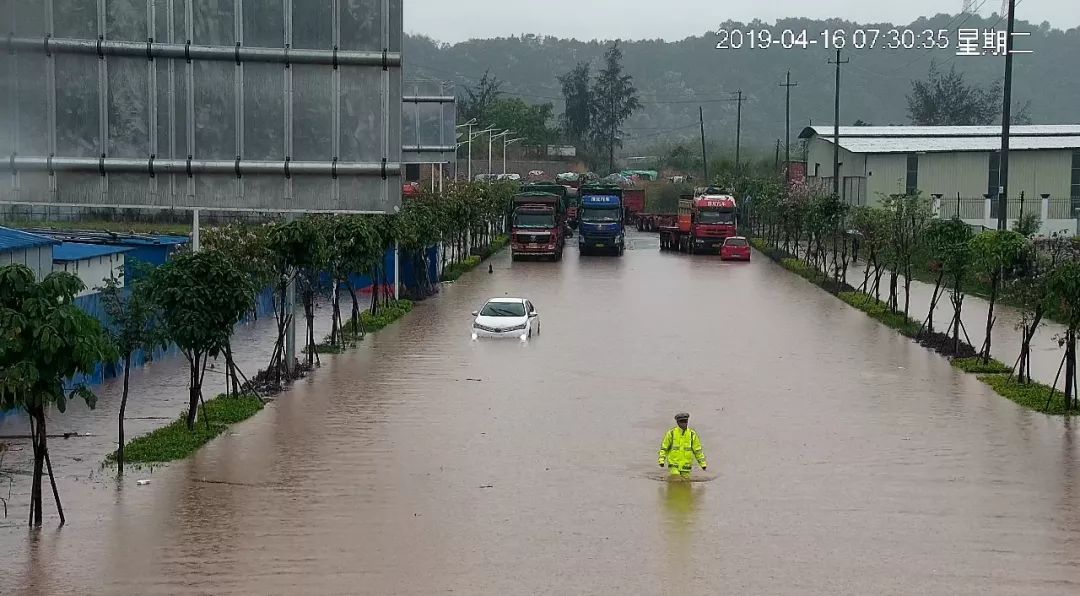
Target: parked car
<point x="735" y="248"/>
<point x="506" y="317"/>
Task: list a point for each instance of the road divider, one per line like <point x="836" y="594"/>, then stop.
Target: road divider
<point x="997" y="375"/>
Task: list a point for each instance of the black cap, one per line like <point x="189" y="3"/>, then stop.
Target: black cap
<point x="682" y="416"/>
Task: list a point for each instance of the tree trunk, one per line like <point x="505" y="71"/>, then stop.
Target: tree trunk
<point x="194" y="391"/>
<point x="995" y="280"/>
<point x="335" y="317"/>
<point x="907" y="289"/>
<point x="958" y="304"/>
<point x="934" y="301"/>
<point x="39" y="440"/>
<point x="355" y="315"/>
<point x="1070" y="368"/>
<point x="123" y="408"/>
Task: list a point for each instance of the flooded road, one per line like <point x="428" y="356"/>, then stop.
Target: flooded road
<point x="844" y="459"/>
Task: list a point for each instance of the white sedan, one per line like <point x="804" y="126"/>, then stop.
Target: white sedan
<point x="506" y="317"/>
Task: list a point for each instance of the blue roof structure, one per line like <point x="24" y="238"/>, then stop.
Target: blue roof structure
<point x="11" y="240"/>
<point x="77" y="251"/>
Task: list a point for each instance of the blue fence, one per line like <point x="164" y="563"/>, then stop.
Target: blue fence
<point x="264" y="307"/>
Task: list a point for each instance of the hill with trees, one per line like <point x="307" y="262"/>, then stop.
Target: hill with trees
<point x="674" y="78"/>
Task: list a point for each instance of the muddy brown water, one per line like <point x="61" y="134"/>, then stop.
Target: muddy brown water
<point x="844" y="459"/>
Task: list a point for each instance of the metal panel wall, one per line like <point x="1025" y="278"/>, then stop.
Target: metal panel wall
<point x="245" y="105"/>
<point x="429" y="122"/>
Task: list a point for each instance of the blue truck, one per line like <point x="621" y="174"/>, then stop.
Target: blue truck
<point x="600" y="220"/>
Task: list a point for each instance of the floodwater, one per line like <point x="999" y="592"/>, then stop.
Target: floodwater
<point x="844" y="459"/>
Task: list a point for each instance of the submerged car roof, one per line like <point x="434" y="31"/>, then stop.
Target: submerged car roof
<point x="506" y="300"/>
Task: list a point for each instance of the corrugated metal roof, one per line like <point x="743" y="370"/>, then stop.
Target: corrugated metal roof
<point x="11" y="240"/>
<point x="910" y="139"/>
<point x="77" y="251"/>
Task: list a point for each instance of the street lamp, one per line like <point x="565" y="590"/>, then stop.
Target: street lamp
<point x="491" y="138"/>
<point x="472" y="135"/>
<point x="507" y="143"/>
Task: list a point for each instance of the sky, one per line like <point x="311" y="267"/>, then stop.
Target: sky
<point x="453" y="21"/>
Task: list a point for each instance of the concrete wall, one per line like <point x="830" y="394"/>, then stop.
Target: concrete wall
<point x="94" y="271"/>
<point x="38" y="259"/>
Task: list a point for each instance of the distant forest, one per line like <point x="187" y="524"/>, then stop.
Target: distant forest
<point x="674" y="78"/>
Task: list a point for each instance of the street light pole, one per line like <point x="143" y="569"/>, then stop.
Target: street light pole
<point x="507" y="143"/>
<point x="492" y="137"/>
<point x="470" y="124"/>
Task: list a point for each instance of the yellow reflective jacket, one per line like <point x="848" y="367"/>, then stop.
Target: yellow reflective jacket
<point x="680" y="448"/>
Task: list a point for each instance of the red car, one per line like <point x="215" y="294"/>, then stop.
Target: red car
<point x="735" y="248"/>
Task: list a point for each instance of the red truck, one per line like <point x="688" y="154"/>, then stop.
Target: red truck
<point x="703" y="224"/>
<point x="633" y="204"/>
<point x="538" y="226"/>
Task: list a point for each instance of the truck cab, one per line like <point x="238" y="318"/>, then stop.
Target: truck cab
<point x="538" y="225"/>
<point x="708" y="220"/>
<point x="600" y="220"/>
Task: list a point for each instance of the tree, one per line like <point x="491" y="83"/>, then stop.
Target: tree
<point x="45" y="342"/>
<point x="908" y="215"/>
<point x="1063" y="295"/>
<point x="614" y="100"/>
<point x="995" y="254"/>
<point x="577" y="118"/>
<point x="201" y="296"/>
<point x="477" y="101"/>
<point x="950" y="245"/>
<point x="528" y="121"/>
<point x="946" y="99"/>
<point x="133" y="325"/>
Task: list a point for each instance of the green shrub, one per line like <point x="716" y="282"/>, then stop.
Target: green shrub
<point x="803" y="270"/>
<point x="879" y="311"/>
<point x="975" y="365"/>
<point x="1030" y="395"/>
<point x="387" y="314"/>
<point x="175" y="441"/>
<point x="452" y="272"/>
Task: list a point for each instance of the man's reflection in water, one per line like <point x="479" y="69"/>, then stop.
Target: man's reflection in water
<point x="680" y="499"/>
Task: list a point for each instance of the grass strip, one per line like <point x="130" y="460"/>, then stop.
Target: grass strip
<point x="178" y="229"/>
<point x="388" y="313"/>
<point x="1030" y="395"/>
<point x="452" y="272"/>
<point x="456" y="270"/>
<point x="975" y="365"/>
<point x="880" y="312"/>
<point x="175" y="441"/>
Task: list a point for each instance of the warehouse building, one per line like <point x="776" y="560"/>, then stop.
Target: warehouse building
<point x="91" y="263"/>
<point x="23" y="248"/>
<point x="958" y="165"/>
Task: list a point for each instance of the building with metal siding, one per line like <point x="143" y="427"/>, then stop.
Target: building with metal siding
<point x="951" y="161"/>
<point x="91" y="263"/>
<point x="22" y="248"/>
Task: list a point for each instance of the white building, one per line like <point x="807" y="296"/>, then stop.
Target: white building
<point x="23" y="248"/>
<point x="92" y="263"/>
<point x="960" y="165"/>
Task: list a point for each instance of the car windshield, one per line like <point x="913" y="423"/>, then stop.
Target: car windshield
<point x="600" y="214"/>
<point x="534" y="220"/>
<point x="503" y="309"/>
<point x="716" y="217"/>
<point x="735" y="242"/>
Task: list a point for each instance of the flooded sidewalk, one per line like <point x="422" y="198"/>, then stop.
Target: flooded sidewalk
<point x="843" y="459"/>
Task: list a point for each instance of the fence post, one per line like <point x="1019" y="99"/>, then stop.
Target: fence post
<point x="1044" y="212"/>
<point x="989" y="222"/>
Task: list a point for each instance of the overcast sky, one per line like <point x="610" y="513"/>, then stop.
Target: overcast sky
<point x="459" y="20"/>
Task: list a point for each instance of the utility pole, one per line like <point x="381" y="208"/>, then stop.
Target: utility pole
<point x="1006" y="123"/>
<point x="836" y="127"/>
<point x="777" y="164"/>
<point x="738" y="132"/>
<point x="704" y="157"/>
<point x="787" y="126"/>
<point x="470" y="152"/>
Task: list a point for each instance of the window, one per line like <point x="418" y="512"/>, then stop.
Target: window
<point x="735" y="242"/>
<point x="1074" y="193"/>
<point x="912" y="174"/>
<point x="534" y="220"/>
<point x="993" y="181"/>
<point x="716" y="217"/>
<point x="503" y="309"/>
<point x="601" y="214"/>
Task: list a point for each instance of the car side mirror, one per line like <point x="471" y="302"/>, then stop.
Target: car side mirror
<point x="534" y="314"/>
<point x="475" y="313"/>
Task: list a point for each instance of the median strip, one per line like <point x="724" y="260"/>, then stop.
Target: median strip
<point x="995" y="374"/>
